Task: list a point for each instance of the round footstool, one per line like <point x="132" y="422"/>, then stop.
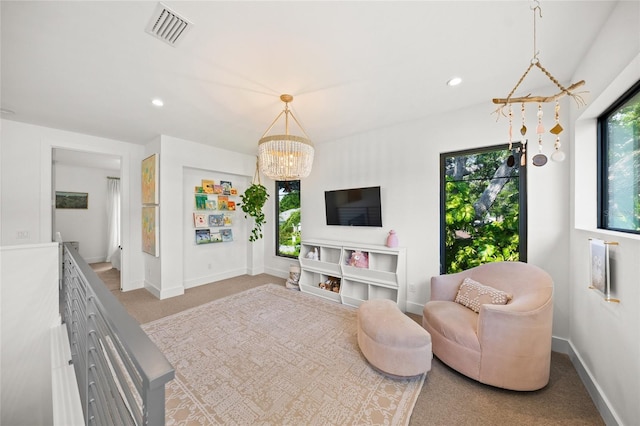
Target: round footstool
<point x="391" y="341"/>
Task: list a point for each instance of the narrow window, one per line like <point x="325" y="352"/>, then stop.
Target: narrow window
<point x="619" y="164"/>
<point x="482" y="208"/>
<point x="288" y="211"/>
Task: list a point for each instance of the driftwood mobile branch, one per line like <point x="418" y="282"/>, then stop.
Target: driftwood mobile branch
<point x="539" y="159"/>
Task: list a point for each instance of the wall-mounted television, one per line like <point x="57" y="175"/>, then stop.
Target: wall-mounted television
<point x="353" y="207"/>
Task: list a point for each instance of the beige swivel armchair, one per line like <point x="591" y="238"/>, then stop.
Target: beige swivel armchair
<point x="507" y="346"/>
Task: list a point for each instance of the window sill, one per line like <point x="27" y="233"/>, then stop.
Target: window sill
<point x="619" y="235"/>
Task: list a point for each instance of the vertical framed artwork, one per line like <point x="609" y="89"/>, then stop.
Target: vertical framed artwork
<point x="150" y="230"/>
<point x="150" y="180"/>
<point x="600" y="267"/>
<point x="599" y="264"/>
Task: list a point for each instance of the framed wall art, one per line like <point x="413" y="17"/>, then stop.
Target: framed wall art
<point x="600" y="267"/>
<point x="150" y="230"/>
<point x="599" y="263"/>
<point x="72" y="200"/>
<point x="150" y="180"/>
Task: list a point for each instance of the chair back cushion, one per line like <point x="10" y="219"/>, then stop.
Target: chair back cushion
<point x="529" y="285"/>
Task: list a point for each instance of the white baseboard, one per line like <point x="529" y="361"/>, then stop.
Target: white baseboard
<point x="598" y="397"/>
<point x="213" y="278"/>
<point x="171" y="292"/>
<point x="275" y="273"/>
<point x="415" y="308"/>
<point x="133" y="285"/>
<point x="560" y="345"/>
<point x="163" y="293"/>
<point x="152" y="289"/>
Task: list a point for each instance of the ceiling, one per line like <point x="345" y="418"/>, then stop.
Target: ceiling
<point x="352" y="66"/>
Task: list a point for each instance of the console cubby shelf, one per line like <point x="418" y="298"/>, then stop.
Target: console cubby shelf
<point x="309" y="283"/>
<point x="329" y="257"/>
<point x="384" y="278"/>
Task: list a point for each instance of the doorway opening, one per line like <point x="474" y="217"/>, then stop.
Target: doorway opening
<point x="93" y="227"/>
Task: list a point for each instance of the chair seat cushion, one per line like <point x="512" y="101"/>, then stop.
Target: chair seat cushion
<point x="453" y="321"/>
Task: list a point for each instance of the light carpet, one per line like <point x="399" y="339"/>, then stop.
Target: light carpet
<point x="270" y="355"/>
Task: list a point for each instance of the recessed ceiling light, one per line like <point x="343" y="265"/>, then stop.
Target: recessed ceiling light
<point x="157" y="102"/>
<point x="454" y="81"/>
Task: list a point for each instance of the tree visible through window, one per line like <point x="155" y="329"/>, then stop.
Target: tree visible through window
<point x="483" y="208"/>
<point x="619" y="177"/>
<point x="288" y="210"/>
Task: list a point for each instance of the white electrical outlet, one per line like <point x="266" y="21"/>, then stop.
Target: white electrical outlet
<point x="22" y="235"/>
<point x="412" y="288"/>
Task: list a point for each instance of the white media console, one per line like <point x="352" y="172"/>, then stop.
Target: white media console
<point x="384" y="278"/>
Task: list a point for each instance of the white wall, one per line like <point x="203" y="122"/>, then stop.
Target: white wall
<point x="604" y="338"/>
<point x="404" y="161"/>
<point x="207" y="263"/>
<point x="26" y="191"/>
<point x="29" y="309"/>
<point x="87" y="226"/>
<point x="166" y="275"/>
<point x="26" y="167"/>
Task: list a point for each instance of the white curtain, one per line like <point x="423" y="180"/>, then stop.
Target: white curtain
<point x="113" y="216"/>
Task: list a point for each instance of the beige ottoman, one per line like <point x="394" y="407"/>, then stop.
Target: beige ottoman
<point x="391" y="341"/>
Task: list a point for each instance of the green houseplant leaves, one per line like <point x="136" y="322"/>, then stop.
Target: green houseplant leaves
<point x="253" y="200"/>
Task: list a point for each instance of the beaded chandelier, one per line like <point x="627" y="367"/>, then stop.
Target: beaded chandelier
<point x="285" y="157"/>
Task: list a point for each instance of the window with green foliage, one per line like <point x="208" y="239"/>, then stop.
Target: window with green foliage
<point x="288" y="210"/>
<point x="483" y="208"/>
<point x="619" y="160"/>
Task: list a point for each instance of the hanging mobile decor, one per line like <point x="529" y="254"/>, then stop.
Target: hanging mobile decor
<point x="540" y="159"/>
<point x="557" y="155"/>
<point x="511" y="160"/>
<point x="523" y="132"/>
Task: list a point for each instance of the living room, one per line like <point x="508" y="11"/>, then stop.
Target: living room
<point x="403" y="158"/>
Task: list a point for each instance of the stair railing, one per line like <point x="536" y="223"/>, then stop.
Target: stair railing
<point x="121" y="373"/>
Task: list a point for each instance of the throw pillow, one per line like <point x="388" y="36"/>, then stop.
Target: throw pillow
<point x="472" y="294"/>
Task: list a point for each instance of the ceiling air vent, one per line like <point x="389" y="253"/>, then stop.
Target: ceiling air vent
<point x="167" y="25"/>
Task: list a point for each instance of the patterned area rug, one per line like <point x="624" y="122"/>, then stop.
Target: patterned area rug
<point x="274" y="356"/>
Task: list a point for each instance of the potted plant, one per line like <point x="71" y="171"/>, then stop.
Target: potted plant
<point x="253" y="200"/>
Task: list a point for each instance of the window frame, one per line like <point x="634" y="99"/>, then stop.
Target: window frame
<point x="277" y="218"/>
<point x="522" y="197"/>
<point x="603" y="159"/>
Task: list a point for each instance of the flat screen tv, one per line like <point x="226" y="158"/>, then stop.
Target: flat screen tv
<point x="354" y="207"/>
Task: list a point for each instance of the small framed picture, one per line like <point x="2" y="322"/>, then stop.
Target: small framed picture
<point x="227" y="235"/>
<point x="203" y="236"/>
<point x="216" y="237"/>
<point x="207" y="186"/>
<point x="216" y="220"/>
<point x="199" y="220"/>
<point x="226" y="187"/>
<point x="599" y="266"/>
<point x="72" y="200"/>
